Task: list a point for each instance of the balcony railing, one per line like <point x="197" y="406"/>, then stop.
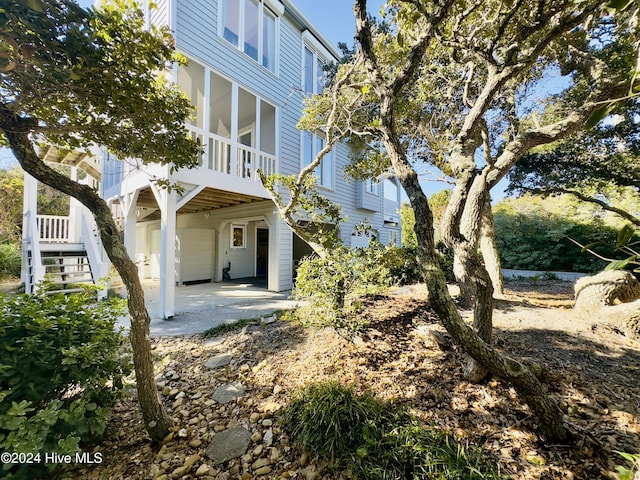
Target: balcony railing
<point x="220" y="156"/>
<point x="53" y="228"/>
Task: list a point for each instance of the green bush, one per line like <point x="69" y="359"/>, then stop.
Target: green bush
<point x="332" y="287"/>
<point x="375" y="440"/>
<point x="60" y="371"/>
<point x="541" y="241"/>
<point x="402" y="263"/>
<point x="10" y="260"/>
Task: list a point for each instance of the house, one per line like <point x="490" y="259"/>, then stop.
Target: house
<point x="250" y="65"/>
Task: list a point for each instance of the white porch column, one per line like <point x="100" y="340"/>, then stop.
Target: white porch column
<point x="29" y="212"/>
<point x="280" y="254"/>
<point x="130" y="218"/>
<point x="167" y="253"/>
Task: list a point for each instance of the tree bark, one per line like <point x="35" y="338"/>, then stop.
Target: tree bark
<point x="489" y="250"/>
<point x="522" y="378"/>
<point x="156" y="420"/>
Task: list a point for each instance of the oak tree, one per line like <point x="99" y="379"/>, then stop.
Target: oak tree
<point x="77" y="78"/>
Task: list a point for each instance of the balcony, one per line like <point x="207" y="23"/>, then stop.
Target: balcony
<point x="240" y="161"/>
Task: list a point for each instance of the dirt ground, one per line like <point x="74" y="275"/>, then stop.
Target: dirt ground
<point x="591" y="370"/>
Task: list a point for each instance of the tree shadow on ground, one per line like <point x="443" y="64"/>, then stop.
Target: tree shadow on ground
<point x="592" y="373"/>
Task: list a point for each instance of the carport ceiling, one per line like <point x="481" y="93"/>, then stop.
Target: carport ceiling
<point x="208" y="199"/>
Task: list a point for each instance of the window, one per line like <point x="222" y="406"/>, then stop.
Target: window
<point x="312" y="144"/>
<point x="238" y="235"/>
<point x="250" y="26"/>
<point x="393" y="237"/>
<point x="371" y="186"/>
<point x="314" y="75"/>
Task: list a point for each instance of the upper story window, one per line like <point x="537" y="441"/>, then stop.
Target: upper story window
<point x="371" y="186"/>
<point x="250" y="26"/>
<point x="315" y="57"/>
<point x="312" y="144"/>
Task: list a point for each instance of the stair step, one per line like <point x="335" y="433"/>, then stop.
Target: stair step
<point x="67" y="290"/>
<point x="84" y="273"/>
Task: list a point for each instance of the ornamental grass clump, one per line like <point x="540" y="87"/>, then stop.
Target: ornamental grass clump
<point x="377" y="440"/>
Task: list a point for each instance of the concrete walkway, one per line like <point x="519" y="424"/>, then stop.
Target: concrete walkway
<point x="206" y="305"/>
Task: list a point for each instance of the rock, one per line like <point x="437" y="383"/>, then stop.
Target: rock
<point x="303" y="459"/>
<point x="203" y="470"/>
<point x="228" y="392"/>
<point x="154" y="470"/>
<point x="195" y="443"/>
<point x="218" y="361"/>
<point x="182" y="433"/>
<point x="258" y="450"/>
<point x="310" y="473"/>
<point x="191" y="460"/>
<point x="259" y="463"/>
<point x="268" y="437"/>
<point x="263" y="471"/>
<point x="268" y="320"/>
<point x="228" y="444"/>
<point x="277" y="389"/>
<point x="246" y="476"/>
<point x="256" y="436"/>
<point x="275" y="455"/>
<point x="267" y="422"/>
<point x="213" y="342"/>
<point x="254" y="417"/>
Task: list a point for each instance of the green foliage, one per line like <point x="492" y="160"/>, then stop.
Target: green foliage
<point x="376" y="440"/>
<point x="333" y="286"/>
<point x="10" y="260"/>
<point x="402" y="263"/>
<point x="60" y="370"/>
<point x="530" y="236"/>
<point x="629" y="473"/>
<point x="97" y="73"/>
<point x="407" y="221"/>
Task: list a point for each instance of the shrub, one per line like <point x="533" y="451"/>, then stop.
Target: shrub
<point x="60" y="370"/>
<point x="333" y="287"/>
<point x="375" y="440"/>
<point x="10" y="260"/>
<point x="403" y="264"/>
<point x="536" y="239"/>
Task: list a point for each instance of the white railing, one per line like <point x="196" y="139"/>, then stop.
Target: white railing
<point x="93" y="247"/>
<point x="53" y="228"/>
<point x="220" y="156"/>
<point x="32" y="258"/>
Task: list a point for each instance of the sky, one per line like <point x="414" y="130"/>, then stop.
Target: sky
<point x="334" y="18"/>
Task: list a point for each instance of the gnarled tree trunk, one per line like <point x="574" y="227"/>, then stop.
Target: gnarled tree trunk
<point x="611" y="297"/>
<point x="156" y="420"/>
<point x="489" y="250"/>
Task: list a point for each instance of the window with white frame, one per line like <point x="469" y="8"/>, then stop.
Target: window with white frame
<point x="313" y="77"/>
<point x="250" y="26"/>
<point x="371" y="186"/>
<point x="238" y="236"/>
<point x="312" y="144"/>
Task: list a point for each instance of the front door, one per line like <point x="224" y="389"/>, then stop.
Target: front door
<point x="262" y="252"/>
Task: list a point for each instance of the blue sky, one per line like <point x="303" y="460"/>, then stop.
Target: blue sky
<point x="334" y="18"/>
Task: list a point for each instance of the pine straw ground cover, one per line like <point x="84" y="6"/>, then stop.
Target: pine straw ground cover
<point x="591" y="370"/>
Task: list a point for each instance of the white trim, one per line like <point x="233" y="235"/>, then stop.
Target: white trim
<point x="314" y="44"/>
<point x="275" y="6"/>
<point x="243" y="228"/>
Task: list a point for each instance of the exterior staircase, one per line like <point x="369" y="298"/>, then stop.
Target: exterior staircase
<point x="51" y="253"/>
<point x="67" y="269"/>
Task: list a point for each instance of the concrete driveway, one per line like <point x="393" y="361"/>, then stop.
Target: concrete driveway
<point x="202" y="306"/>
